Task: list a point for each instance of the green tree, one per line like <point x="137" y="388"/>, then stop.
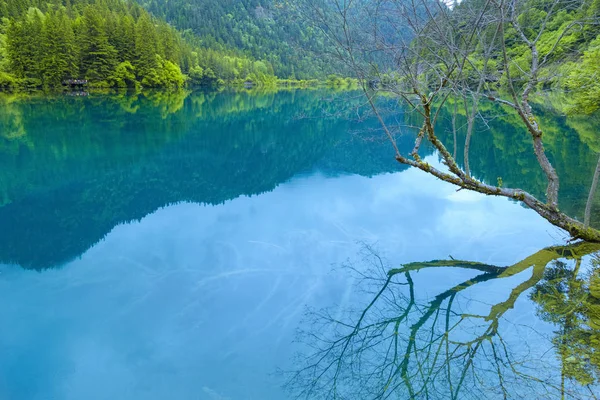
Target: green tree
<point x="584" y="80"/>
<point x="125" y="41"/>
<point x="22" y="39"/>
<point x="145" y="47"/>
<point x="42" y="43"/>
<point x="123" y="76"/>
<point x="98" y="57"/>
<point x="58" y="49"/>
<point x="196" y="74"/>
<point x="3" y="52"/>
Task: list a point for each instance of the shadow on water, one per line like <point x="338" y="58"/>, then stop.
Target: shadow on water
<point x="73" y="168"/>
<point x="407" y="339"/>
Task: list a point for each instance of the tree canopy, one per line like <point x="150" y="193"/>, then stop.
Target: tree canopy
<point x="269" y="30"/>
<point x="111" y="43"/>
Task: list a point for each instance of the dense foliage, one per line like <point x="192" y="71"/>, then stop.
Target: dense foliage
<point x="111" y="43"/>
<point x="568" y="46"/>
<point x="269" y="29"/>
<point x="123" y="43"/>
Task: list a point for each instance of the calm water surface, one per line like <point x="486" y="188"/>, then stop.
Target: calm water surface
<point x="225" y="245"/>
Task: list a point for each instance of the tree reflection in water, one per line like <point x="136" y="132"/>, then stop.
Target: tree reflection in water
<point x="398" y="346"/>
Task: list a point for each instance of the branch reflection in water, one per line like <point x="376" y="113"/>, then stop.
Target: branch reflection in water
<point x="455" y="344"/>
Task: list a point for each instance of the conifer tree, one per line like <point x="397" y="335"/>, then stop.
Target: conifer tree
<point x="125" y="43"/>
<point x="106" y="41"/>
<point x="145" y="46"/>
<point x="99" y="58"/>
<point x="15" y="42"/>
<point x="58" y="49"/>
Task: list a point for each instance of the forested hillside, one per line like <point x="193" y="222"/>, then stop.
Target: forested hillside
<point x="112" y="43"/>
<point x="264" y="29"/>
<point x="271" y="30"/>
<point x="160" y="43"/>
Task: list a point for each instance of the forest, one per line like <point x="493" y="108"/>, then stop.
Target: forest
<point x="271" y="30"/>
<point x="111" y="43"/>
<point x="158" y="43"/>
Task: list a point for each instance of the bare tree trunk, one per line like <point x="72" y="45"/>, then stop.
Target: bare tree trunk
<point x="459" y="53"/>
<point x="470" y="123"/>
<point x="548" y="210"/>
<point x="588" y="205"/>
<point x="454" y="134"/>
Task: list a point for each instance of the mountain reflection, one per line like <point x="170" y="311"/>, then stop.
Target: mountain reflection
<point x="460" y="342"/>
<point x="72" y="168"/>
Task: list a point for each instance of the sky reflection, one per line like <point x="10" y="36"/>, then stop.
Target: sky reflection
<point x="199" y="301"/>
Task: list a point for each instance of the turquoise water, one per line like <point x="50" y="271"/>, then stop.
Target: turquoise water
<point x="211" y="245"/>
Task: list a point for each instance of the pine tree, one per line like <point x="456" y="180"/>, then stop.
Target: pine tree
<point x="15" y="43"/>
<point x="125" y="41"/>
<point x="98" y="57"/>
<point x="58" y="49"/>
<point x="43" y="42"/>
<point x="3" y="10"/>
<point x="145" y="46"/>
<point x="22" y="42"/>
<point x="168" y="46"/>
<point x="34" y="28"/>
<point x="68" y="48"/>
<point x="52" y="63"/>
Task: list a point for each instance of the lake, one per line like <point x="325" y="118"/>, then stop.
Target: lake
<point x="236" y="245"/>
